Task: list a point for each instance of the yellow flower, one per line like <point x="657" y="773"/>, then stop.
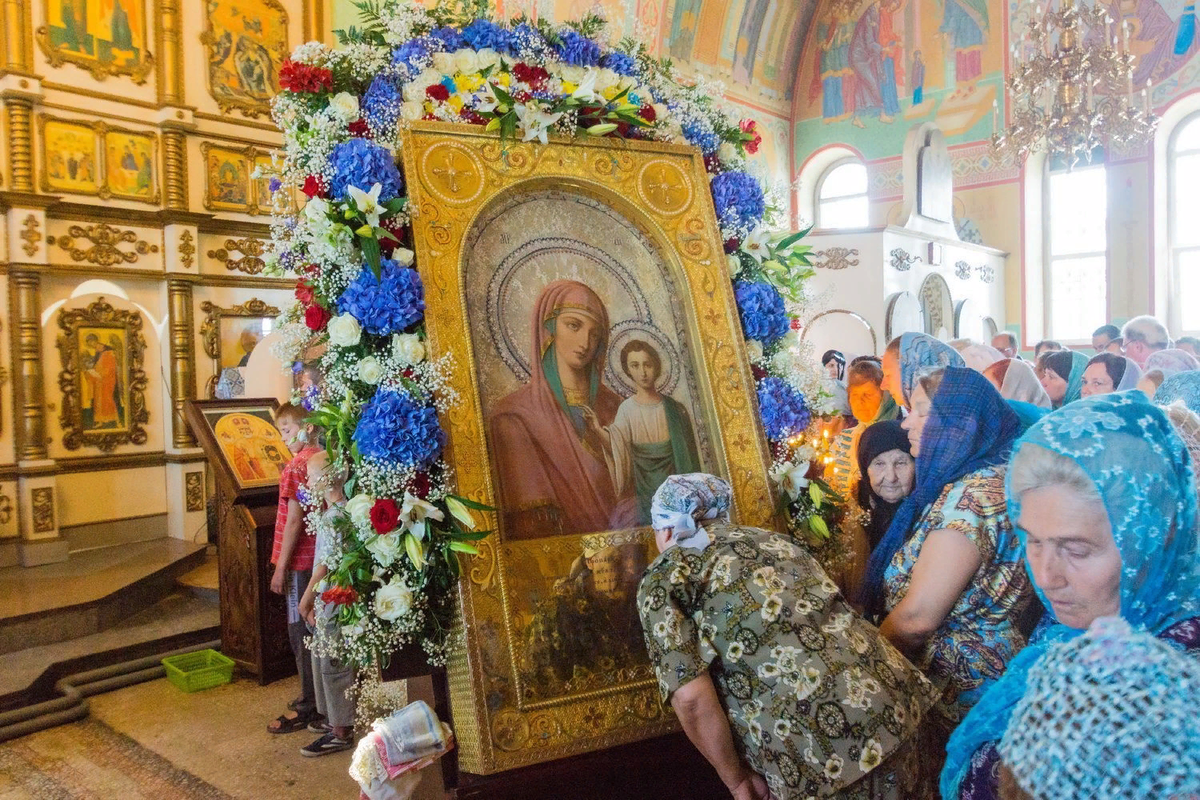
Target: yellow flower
<point x="467" y="83"/>
<point x="428" y="106"/>
<point x="456" y="102"/>
<point x="569" y="87"/>
<point x="504" y="79"/>
<point x="610" y="92"/>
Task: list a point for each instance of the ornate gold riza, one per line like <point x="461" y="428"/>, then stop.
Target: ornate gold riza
<point x="121" y="328"/>
<point x="456" y="175"/>
<point x="104" y="240"/>
<point x="251" y="250"/>
<point x="210" y="329"/>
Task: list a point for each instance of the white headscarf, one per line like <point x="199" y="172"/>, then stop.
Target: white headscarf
<point x="1021" y="384"/>
<point x="980" y="356"/>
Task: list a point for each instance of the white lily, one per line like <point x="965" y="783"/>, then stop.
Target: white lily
<point x="535" y="122"/>
<point x="586" y="91"/>
<point x="756" y="244"/>
<point x="415" y="512"/>
<point x="790" y="478"/>
<point x="485" y="99"/>
<point x="367" y="203"/>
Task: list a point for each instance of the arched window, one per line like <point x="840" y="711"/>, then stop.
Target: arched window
<point x="1184" y="221"/>
<point x="1076" y="262"/>
<point x="842" y="196"/>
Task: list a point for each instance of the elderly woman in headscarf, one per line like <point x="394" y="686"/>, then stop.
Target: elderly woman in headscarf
<point x="1171" y="362"/>
<point x="1108" y="714"/>
<point x="946" y="578"/>
<point x="1106" y="512"/>
<point x="1107" y="373"/>
<point x="908" y="355"/>
<point x="888" y="470"/>
<point x="1062" y="375"/>
<point x="775" y="679"/>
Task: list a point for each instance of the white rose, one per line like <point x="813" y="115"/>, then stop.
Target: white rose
<point x="443" y="63"/>
<point x="393" y="600"/>
<point x="412" y="110"/>
<point x="754" y="349"/>
<point x="316" y="211"/>
<point x="353" y="631"/>
<point x="466" y="61"/>
<point x="727" y="153"/>
<point x="359" y="509"/>
<point x="386" y="548"/>
<point x="345" y="106"/>
<point x="605" y="78"/>
<point x="403" y="256"/>
<point x="487" y="57"/>
<point x="660" y="110"/>
<point x="344" y="330"/>
<point x="790" y="340"/>
<point x="369" y="370"/>
<point x="407" y="348"/>
<point x="735" y="264"/>
<point x="574" y="74"/>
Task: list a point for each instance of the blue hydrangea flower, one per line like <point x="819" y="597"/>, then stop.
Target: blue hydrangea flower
<point x="784" y="410"/>
<point x="387" y="304"/>
<point x="738" y="198"/>
<point x="575" y="48"/>
<point x="702" y="136"/>
<point x="413" y="56"/>
<point x="620" y="63"/>
<point x="482" y="34"/>
<point x="359" y="162"/>
<point x="395" y="429"/>
<point x="450" y="38"/>
<point x="381" y="104"/>
<point x="762" y="311"/>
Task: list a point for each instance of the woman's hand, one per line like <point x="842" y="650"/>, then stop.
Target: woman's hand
<point x="753" y="787"/>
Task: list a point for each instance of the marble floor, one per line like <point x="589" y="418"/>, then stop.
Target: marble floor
<point x="217" y="735"/>
<point x="86" y="576"/>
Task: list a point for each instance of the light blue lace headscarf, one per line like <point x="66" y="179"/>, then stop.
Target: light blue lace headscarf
<point x="1183" y="386"/>
<point x="1144" y="474"/>
<point x="920" y="352"/>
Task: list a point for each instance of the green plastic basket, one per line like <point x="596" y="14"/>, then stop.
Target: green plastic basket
<point x="202" y="669"/>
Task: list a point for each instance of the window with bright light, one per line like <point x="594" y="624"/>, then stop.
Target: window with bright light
<point x="842" y="197"/>
<point x="1077" y="259"/>
<point x="1185" y="220"/>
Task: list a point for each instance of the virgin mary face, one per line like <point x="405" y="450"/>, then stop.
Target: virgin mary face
<point x="576" y="338"/>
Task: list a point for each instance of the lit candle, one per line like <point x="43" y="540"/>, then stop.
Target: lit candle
<point x="995" y="116"/>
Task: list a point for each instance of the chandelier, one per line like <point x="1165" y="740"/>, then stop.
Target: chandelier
<point x="1073" y="91"/>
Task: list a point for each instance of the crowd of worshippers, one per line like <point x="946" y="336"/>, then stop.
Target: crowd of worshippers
<point x="1021" y="618"/>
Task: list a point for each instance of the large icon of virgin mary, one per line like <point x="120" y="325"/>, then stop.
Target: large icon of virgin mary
<point x="550" y="462"/>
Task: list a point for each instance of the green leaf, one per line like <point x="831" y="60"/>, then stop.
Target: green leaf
<point x="371" y="252"/>
<point x="472" y="504"/>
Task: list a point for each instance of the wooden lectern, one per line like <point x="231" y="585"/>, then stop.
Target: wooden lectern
<point x="246" y="453"/>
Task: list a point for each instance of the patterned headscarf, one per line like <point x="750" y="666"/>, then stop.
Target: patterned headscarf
<point x="1089" y="700"/>
<point x="1183" y="386"/>
<point x="1172" y="362"/>
<point x="970" y="427"/>
<point x="1070" y="368"/>
<point x="682" y="502"/>
<point x="919" y="352"/>
<point x="1144" y="474"/>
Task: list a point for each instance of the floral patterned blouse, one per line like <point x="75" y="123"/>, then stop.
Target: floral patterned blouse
<point x="815" y="696"/>
<point x="980" y="635"/>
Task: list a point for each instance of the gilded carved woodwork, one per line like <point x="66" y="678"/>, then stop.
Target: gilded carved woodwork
<point x="250" y="262"/>
<point x="41" y="502"/>
<point x="25" y="311"/>
<point x="31" y="235"/>
<point x="211" y="330"/>
<point x="104" y="241"/>
<point x="170" y="49"/>
<point x="17" y="40"/>
<point x="102" y="381"/>
<point x="18" y="113"/>
<point x="6" y="509"/>
<point x="193" y="490"/>
<point x="455" y="177"/>
<point x="836" y="258"/>
<point x="187" y="249"/>
<point x="175" y="169"/>
<point x="183" y="359"/>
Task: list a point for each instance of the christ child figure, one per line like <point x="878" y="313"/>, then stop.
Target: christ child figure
<point x="651" y="437"/>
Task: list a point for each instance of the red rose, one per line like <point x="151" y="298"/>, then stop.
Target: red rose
<point x="297" y="77"/>
<point x="360" y="129"/>
<point x="523" y="96"/>
<point x="648" y="113"/>
<point x="758" y="372"/>
<point x="384" y="515"/>
<point x="421" y="485"/>
<point x="534" y="76"/>
<point x="712" y="164"/>
<point x="313" y="187"/>
<point x="472" y="117"/>
<point x="310" y="269"/>
<point x="315" y="317"/>
<point x="624" y="129"/>
<point x="751" y="138"/>
<point x="304" y="293"/>
<point x="437" y="92"/>
<point x="731" y="245"/>
<point x="796" y="323"/>
<point x="339" y="595"/>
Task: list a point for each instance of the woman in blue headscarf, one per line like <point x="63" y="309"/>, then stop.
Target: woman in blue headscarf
<point x="907" y="356"/>
<point x="1182" y="386"/>
<point x="1103" y="497"/>
<point x="946" y="577"/>
<point x="1062" y="376"/>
